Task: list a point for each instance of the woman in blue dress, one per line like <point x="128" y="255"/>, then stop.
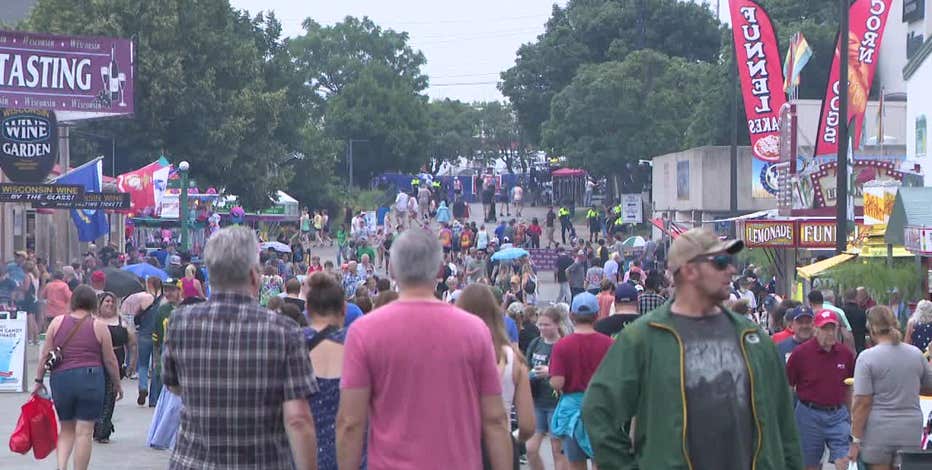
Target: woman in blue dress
<point x="325" y="337"/>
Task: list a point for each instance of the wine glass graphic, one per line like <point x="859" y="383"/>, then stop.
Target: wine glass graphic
<point x="105" y="79"/>
<point x="121" y="82"/>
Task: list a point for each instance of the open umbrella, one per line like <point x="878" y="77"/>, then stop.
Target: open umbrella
<point x="509" y="254"/>
<point x="634" y="242"/>
<point x="122" y="283"/>
<point x="277" y="246"/>
<point x="146" y="270"/>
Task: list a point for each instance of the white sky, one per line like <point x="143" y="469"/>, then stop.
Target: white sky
<point x="467" y="43"/>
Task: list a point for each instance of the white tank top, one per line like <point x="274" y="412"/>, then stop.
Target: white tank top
<point x="508" y="379"/>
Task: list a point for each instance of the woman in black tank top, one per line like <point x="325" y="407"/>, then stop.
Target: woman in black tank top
<point x="122" y="338"/>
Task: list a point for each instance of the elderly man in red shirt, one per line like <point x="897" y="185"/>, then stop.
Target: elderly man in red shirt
<point x="818" y="369"/>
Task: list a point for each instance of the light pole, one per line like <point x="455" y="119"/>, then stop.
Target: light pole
<point x="183" y="168"/>
<point x="841" y="172"/>
<point x="349" y="158"/>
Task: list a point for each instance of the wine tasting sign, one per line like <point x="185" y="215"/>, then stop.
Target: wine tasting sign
<point x="28" y="144"/>
<point x="80" y="77"/>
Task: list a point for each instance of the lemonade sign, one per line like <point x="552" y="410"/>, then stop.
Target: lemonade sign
<point x="879" y="197"/>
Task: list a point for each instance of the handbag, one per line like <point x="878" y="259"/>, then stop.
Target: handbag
<point x="55" y="355"/>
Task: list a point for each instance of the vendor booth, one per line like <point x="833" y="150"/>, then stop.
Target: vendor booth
<point x="911" y="225"/>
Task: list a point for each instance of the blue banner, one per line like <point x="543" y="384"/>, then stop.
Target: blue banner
<point x="91" y="224"/>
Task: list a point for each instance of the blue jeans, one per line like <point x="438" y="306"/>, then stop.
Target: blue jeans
<point x="155" y="387"/>
<point x="145" y="357"/>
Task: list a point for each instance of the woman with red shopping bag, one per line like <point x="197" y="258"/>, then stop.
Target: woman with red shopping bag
<point x="77" y="350"/>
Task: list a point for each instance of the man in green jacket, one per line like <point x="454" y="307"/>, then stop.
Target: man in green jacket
<point x="701" y="387"/>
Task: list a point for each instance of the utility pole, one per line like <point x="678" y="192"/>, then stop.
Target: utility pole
<point x="841" y="182"/>
<point x="349" y="157"/>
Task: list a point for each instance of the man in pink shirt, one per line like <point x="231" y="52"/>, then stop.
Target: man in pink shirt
<point x="422" y="373"/>
<point x="57" y="297"/>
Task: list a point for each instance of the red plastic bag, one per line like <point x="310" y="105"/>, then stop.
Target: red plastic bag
<point x="19" y="440"/>
<point x="43" y="426"/>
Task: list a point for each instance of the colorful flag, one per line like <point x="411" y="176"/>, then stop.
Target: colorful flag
<point x="759" y="68"/>
<point x="145" y="185"/>
<point x="797" y="56"/>
<point x="91" y="224"/>
<point x="862" y="44"/>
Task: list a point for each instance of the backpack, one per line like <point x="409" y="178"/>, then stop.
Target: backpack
<point x="531" y="285"/>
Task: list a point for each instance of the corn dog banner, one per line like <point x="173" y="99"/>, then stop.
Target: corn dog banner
<point x="761" y="73"/>
<point x="862" y="44"/>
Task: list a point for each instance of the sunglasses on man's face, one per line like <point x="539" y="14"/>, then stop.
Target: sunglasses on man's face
<point x="719" y="262"/>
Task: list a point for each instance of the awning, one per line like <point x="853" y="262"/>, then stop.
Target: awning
<point x="767" y="214"/>
<point x="674" y="230"/>
<point x="814" y="269"/>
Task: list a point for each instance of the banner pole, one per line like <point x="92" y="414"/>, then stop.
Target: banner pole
<point x="841" y="172"/>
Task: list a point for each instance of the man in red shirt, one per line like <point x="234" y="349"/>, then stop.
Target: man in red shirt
<point x="57" y="296"/>
<point x="573" y="362"/>
<point x="818" y="369"/>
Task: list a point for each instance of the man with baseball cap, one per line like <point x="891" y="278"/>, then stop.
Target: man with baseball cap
<point x="572" y="363"/>
<point x="818" y="369"/>
<point x="626" y="311"/>
<point x="801" y="322"/>
<point x="696" y="376"/>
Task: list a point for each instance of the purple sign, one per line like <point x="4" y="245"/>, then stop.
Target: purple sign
<point x="79" y="77"/>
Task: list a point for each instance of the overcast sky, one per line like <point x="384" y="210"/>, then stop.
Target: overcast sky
<point x="467" y="43"/>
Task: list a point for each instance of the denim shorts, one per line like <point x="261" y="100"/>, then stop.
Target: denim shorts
<point x="818" y="429"/>
<point x="542" y="417"/>
<point x="572" y="451"/>
<point x="78" y="393"/>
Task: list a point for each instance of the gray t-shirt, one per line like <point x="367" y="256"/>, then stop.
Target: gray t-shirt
<point x="893" y="376"/>
<point x="720" y="431"/>
<point x="576" y="274"/>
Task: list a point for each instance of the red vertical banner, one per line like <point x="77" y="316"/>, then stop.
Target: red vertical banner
<point x="761" y="73"/>
<point x="867" y="18"/>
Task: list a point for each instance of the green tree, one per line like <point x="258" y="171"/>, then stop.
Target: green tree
<point x="209" y="88"/>
<point x="501" y="137"/>
<point x="615" y="113"/>
<point x="368" y="83"/>
<point x="595" y="31"/>
<point x="453" y="129"/>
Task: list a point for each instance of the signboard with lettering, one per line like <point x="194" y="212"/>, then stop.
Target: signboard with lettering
<point x="817" y="234"/>
<point x="28" y="144"/>
<point x="91" y="201"/>
<point x="917" y="239"/>
<point x="21" y="192"/>
<point x="83" y="76"/>
<point x="878" y="202"/>
<point x="631" y="211"/>
<point x="777" y="234"/>
<point x="12" y="351"/>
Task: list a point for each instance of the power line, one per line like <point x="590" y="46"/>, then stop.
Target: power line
<point x="462" y="84"/>
<point x="464" y="75"/>
<point x="429" y="22"/>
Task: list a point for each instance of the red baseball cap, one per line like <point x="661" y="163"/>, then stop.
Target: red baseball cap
<point x="824" y="317"/>
<point x="98" y="276"/>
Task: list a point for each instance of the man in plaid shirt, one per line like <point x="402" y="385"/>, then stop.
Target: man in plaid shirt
<point x="651" y="298"/>
<point x="243" y="373"/>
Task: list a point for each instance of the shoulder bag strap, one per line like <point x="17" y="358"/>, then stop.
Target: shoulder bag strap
<point x="74" y="330"/>
<point x="320" y="337"/>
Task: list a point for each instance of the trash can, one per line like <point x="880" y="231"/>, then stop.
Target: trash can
<point x="916" y="459"/>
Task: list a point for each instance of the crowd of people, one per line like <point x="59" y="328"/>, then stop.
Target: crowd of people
<point x="644" y="360"/>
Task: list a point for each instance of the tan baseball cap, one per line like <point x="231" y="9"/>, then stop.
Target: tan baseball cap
<point x="697" y="242"/>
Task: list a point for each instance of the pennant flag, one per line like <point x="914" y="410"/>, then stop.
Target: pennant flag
<point x="797" y="57"/>
<point x="862" y="45"/>
<point x="91" y="224"/>
<point x="145" y="185"/>
<point x="761" y="78"/>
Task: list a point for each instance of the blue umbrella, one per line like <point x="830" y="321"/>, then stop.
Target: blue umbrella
<point x="509" y="254"/>
<point x="146" y="270"/>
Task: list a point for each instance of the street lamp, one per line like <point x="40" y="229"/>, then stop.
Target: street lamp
<point x="183" y="167"/>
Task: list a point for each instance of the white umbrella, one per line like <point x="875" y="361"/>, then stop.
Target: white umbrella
<point x="277" y="246"/>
